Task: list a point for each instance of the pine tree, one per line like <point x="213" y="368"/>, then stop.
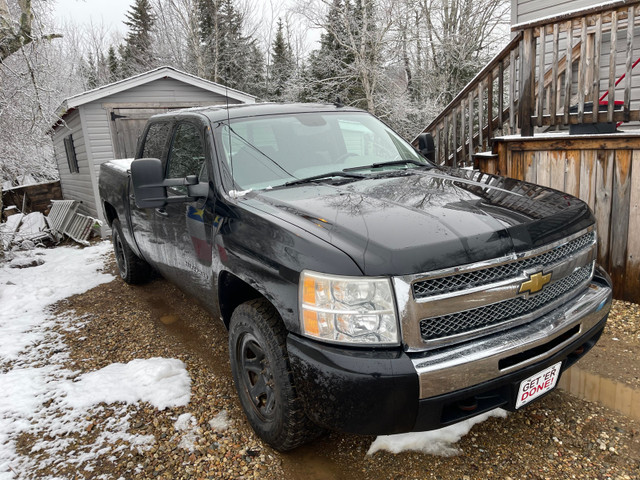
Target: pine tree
<point x="89" y="71"/>
<point x="209" y="37"/>
<point x="331" y="66"/>
<point x="281" y="64"/>
<point x="231" y="58"/>
<point x="112" y="63"/>
<point x="137" y="54"/>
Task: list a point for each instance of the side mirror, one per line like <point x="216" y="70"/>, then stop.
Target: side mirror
<point x="148" y="177"/>
<point x="150" y="186"/>
<point x="426" y="146"/>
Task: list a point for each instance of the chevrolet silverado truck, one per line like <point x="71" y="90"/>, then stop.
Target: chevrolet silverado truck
<point x="364" y="288"/>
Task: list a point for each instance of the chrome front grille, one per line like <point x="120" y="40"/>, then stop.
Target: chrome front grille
<point x="491" y="315"/>
<point x="458" y="304"/>
<point x="485" y="276"/>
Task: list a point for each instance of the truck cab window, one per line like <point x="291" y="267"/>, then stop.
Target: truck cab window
<point x="156" y="141"/>
<point x="186" y="156"/>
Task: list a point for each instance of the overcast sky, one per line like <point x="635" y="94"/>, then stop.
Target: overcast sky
<point x="111" y="12"/>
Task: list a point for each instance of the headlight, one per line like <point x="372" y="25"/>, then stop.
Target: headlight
<point x="348" y="309"/>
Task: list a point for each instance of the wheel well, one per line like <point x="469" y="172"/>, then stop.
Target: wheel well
<point x="110" y="213"/>
<point x="232" y="292"/>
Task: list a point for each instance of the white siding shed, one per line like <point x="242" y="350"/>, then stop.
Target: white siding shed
<point x="105" y="123"/>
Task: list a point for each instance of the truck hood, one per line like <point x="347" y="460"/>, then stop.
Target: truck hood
<point x="413" y="221"/>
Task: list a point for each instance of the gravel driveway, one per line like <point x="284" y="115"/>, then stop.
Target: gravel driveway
<point x="558" y="437"/>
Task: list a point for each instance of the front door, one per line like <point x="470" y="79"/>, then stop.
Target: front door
<point x="187" y="228"/>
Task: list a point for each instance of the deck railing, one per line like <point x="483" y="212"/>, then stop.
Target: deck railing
<point x="550" y="75"/>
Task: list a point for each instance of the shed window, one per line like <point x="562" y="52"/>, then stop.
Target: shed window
<point x="72" y="160"/>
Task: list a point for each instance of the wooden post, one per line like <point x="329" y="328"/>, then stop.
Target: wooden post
<point x="527" y="93"/>
<point x="541" y="67"/>
<point x="489" y="109"/>
<point x="454" y="137"/>
<point x="595" y="93"/>
<point x="438" y="145"/>
<point x="446" y="140"/>
<point x="582" y="68"/>
<point x="512" y="92"/>
<point x="470" y="132"/>
<point x="480" y="117"/>
<point x="568" y="73"/>
<point x="611" y="98"/>
<point x="463" y="137"/>
<point x="554" y="76"/>
<point x="627" y="85"/>
<point x="501" y="97"/>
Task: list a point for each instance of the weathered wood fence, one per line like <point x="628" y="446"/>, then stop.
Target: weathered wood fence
<point x="602" y="170"/>
<point x="551" y="75"/>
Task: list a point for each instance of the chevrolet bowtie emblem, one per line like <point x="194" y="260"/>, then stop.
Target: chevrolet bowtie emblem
<point x="535" y="283"/>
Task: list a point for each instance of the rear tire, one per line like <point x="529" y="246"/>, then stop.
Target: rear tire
<point x="263" y="377"/>
<point x="133" y="269"/>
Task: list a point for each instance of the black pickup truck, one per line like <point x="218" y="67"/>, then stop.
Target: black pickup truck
<point x="364" y="288"/>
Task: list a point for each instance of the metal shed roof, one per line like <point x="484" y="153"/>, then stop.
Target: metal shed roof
<point x="150" y="76"/>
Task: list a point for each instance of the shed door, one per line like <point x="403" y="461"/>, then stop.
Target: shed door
<point x="127" y="126"/>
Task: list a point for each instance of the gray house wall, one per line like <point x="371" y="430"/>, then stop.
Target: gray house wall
<point x="75" y="186"/>
<point x="527" y="10"/>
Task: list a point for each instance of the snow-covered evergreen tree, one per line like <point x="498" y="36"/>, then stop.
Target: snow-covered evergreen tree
<point x="137" y="52"/>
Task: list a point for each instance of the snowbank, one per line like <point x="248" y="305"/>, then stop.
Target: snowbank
<point x="42" y="399"/>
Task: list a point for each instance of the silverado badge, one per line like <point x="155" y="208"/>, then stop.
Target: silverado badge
<point x="535" y="283"/>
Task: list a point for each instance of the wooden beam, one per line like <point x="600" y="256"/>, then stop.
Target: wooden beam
<point x="583" y="142"/>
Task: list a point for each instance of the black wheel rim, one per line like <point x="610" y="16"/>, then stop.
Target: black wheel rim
<point x="255" y="376"/>
<point x="118" y="248"/>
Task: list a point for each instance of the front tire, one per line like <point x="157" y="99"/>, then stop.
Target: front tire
<point x="263" y="377"/>
<point x="132" y="268"/>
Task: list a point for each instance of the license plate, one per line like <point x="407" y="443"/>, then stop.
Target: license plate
<point x="538" y="384"/>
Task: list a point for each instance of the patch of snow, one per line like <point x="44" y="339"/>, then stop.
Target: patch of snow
<point x="160" y="381"/>
<point x="187" y="423"/>
<point x="220" y="422"/>
<point x="32" y="223"/>
<point x="66" y="271"/>
<point x="436" y="442"/>
<point x="122" y="164"/>
<point x="184" y="422"/>
<point x="239" y="193"/>
<point x="56" y="406"/>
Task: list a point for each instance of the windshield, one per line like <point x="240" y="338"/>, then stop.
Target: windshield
<point x="270" y="151"/>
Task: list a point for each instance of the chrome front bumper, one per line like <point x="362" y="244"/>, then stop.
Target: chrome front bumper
<point x="457" y="367"/>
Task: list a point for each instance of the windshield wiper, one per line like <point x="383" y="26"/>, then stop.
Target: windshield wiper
<point x="390" y="164"/>
<point x="324" y="175"/>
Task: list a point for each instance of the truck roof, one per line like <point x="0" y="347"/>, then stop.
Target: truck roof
<point x="217" y="113"/>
